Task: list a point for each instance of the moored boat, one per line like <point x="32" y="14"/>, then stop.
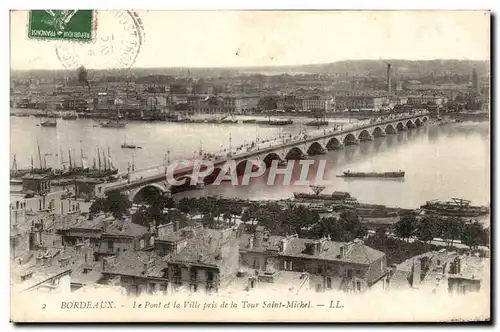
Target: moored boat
<point x="49" y="123"/>
<point x="113" y="124"/>
<point x="456" y="207"/>
<point x="336" y="196"/>
<point x="349" y="174"/>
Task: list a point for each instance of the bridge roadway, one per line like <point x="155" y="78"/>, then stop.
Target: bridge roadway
<point x="141" y="178"/>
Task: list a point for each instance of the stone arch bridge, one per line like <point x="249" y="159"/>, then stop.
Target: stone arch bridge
<point x="329" y="139"/>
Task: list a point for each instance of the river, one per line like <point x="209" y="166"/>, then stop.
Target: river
<point x="440" y="162"/>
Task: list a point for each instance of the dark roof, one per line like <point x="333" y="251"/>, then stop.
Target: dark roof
<point x="357" y="252"/>
<point x="206" y="247"/>
<point x="132" y="263"/>
<point x="125" y="228"/>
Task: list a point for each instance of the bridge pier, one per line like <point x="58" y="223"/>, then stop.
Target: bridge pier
<point x="354" y="142"/>
<point x="366" y="138"/>
<point x="382" y="134"/>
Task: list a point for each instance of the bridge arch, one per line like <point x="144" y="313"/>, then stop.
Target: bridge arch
<point x="418" y="122"/>
<point x="350" y="139"/>
<point x="209" y="179"/>
<point x="364" y="135"/>
<point x="378" y="132"/>
<point x="400" y="126"/>
<point x="333" y="144"/>
<point x="268" y="159"/>
<point x="315" y="148"/>
<point x="143" y="193"/>
<point x="410" y="124"/>
<point x="294" y="153"/>
<point x="390" y="129"/>
<point x="242" y="165"/>
<point x="425" y="119"/>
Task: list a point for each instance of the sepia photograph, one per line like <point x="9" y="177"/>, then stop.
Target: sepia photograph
<point x="250" y="166"/>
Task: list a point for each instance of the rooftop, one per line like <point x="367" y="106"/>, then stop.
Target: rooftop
<point x="137" y="263"/>
<point x="206" y="247"/>
<point x="356" y="252"/>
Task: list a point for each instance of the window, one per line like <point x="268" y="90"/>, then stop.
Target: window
<point x="194" y="274"/>
<point x="358" y="286"/>
<point x="152" y="241"/>
<point x="320" y="269"/>
<point x="142" y="244"/>
<point x="329" y="283"/>
<point x="110" y="245"/>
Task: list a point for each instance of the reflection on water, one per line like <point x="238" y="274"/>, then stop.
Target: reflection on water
<point x="440" y="161"/>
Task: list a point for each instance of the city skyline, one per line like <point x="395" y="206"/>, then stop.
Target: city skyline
<point x="239" y="39"/>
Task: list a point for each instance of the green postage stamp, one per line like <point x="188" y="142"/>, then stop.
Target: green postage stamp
<point x="73" y="25"/>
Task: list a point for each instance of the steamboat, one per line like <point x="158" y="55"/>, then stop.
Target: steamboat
<point x="456" y="207"/>
<point x="349" y="174"/>
<point x="335" y="197"/>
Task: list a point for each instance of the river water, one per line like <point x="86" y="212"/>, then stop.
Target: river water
<point x="440" y="162"/>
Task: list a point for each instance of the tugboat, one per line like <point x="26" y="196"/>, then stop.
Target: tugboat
<point x="336" y="196"/>
<point x="49" y="123"/>
<point x="126" y="145"/>
<point x="69" y="116"/>
<point x="113" y="124"/>
<point x="457" y="207"/>
<point x="349" y="174"/>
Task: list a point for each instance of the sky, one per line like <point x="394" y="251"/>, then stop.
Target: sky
<point x="272" y="38"/>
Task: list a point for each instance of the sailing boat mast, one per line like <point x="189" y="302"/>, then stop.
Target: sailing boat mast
<point x="104" y="159"/>
<point x="99" y="157"/>
<point x="39" y="154"/>
<point x="14" y="164"/>
<point x="31" y="163"/>
<point x="62" y="159"/>
<point x="110" y="162"/>
<point x="70" y="162"/>
<point x="81" y="153"/>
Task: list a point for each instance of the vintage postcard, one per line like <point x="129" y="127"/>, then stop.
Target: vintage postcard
<point x="250" y="166"/>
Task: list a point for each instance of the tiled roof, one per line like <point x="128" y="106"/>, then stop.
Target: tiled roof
<point x="133" y="263"/>
<point x="125" y="228"/>
<point x="356" y="252"/>
<point x="205" y="247"/>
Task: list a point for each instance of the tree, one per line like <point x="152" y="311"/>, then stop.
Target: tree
<point x="451" y="229"/>
<point x="115" y="203"/>
<point x="405" y="227"/>
<point x="474" y="235"/>
<point x="380" y="233"/>
<point x="427" y="229"/>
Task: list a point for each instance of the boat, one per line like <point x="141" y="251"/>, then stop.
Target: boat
<point x="349" y="174"/>
<point x="318" y="123"/>
<point x="126" y="145"/>
<point x="249" y="121"/>
<point x="456" y="207"/>
<point x="336" y="196"/>
<point x="49" y="123"/>
<point x="280" y="122"/>
<point x="112" y="124"/>
<point x="69" y="117"/>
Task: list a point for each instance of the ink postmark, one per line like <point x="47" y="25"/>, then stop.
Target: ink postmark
<point x="49" y="24"/>
<point x="119" y="36"/>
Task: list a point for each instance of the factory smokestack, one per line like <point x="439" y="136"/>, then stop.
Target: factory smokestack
<point x="389" y="88"/>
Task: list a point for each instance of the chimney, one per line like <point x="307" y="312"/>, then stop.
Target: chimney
<point x="343" y="250"/>
<point x="389" y="78"/>
<point x="107" y="262"/>
<point x="258" y="237"/>
<point x="417" y="274"/>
